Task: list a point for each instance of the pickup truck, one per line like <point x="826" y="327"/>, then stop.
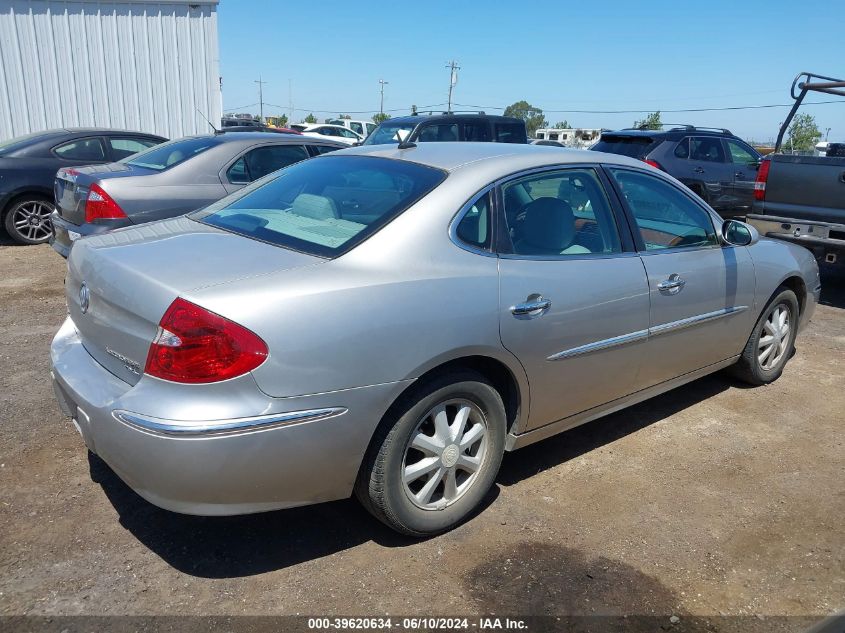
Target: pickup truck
<point x="801" y="199"/>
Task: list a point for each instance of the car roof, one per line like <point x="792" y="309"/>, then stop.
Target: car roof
<point x="420" y="118"/>
<point x="671" y="133"/>
<point x="454" y="156"/>
<point x="252" y="137"/>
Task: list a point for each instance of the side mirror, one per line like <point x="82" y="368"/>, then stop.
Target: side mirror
<point x="738" y="233"/>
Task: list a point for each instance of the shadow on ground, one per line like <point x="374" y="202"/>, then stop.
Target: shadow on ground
<point x="231" y="547"/>
<point x="833" y="287"/>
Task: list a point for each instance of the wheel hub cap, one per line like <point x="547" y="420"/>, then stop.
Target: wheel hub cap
<point x="774" y="339"/>
<point x="444" y="454"/>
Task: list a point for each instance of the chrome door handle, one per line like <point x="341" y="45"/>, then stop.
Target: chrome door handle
<point x="534" y="305"/>
<point x="672" y="285"/>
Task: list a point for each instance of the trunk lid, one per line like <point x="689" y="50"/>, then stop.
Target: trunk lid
<point x="72" y="185"/>
<point x="131" y="276"/>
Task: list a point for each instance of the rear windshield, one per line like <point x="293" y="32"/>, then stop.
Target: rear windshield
<point x="324" y="206"/>
<point x="633" y="146"/>
<point x="386" y="133"/>
<point x="20" y="142"/>
<point x="167" y="155"/>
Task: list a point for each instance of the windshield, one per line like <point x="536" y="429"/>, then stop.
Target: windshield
<point x="167" y="155"/>
<point x="386" y="133"/>
<point x="324" y="206"/>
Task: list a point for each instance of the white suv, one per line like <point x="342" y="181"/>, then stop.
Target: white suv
<point x="361" y="127"/>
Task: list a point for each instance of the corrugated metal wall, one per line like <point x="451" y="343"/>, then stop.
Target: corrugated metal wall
<point x="135" y="65"/>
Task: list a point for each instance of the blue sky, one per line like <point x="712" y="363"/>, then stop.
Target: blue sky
<point x="610" y="55"/>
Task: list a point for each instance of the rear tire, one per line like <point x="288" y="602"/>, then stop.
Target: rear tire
<point x="27" y="220"/>
<point x="435" y="456"/>
<point x="771" y="342"/>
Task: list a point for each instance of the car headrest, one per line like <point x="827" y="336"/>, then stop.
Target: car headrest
<point x="549" y="224"/>
<point x="309" y="205"/>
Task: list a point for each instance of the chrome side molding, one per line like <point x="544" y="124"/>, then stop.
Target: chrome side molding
<point x="189" y="429"/>
<point x="640" y="335"/>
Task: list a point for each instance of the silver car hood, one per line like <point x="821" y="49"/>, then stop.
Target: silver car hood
<point x="133" y="275"/>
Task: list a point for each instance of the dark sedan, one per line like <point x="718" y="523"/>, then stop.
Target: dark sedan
<point x="170" y="180"/>
<point x="28" y="166"/>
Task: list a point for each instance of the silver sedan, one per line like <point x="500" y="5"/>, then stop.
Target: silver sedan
<point x="389" y="321"/>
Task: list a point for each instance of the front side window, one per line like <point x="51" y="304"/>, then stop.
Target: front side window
<point x="476" y="131"/>
<point x="388" y="133"/>
<point x="439" y="133"/>
<point x="560" y="213"/>
<point x="81" y="149"/>
<point x="475" y="228"/>
<point x="324" y="206"/>
<point x="740" y="153"/>
<point x="357" y="127"/>
<point x="167" y="155"/>
<point x="665" y="217"/>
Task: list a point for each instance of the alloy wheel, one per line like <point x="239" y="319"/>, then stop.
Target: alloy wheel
<point x="32" y="220"/>
<point x="444" y="454"/>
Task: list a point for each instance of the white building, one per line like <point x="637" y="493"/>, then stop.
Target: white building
<point x="143" y="65"/>
<point x="571" y="137"/>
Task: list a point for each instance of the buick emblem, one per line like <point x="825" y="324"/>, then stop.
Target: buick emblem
<point x="84" y="298"/>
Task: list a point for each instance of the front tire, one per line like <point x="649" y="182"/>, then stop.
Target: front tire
<point x="28" y="220"/>
<point x="435" y="457"/>
<point x="772" y="341"/>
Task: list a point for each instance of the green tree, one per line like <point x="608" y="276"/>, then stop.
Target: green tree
<point x="343" y="116"/>
<point x="803" y="133"/>
<point x="532" y="116"/>
<point x="563" y="125"/>
<point x="379" y="117"/>
<point x="650" y="122"/>
<point x="311" y="118"/>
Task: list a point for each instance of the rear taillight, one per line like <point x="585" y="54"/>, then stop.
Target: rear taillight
<point x="194" y="345"/>
<point x="101" y="206"/>
<point x="653" y="163"/>
<point x="760" y="182"/>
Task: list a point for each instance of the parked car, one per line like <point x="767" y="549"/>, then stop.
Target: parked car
<point x="334" y="132"/>
<point x="719" y="167"/>
<point x="447" y="127"/>
<point x="801" y="199"/>
<point x="361" y="127"/>
<point x="28" y="167"/>
<point x="169" y="180"/>
<point x="548" y="143"/>
<point x="390" y="321"/>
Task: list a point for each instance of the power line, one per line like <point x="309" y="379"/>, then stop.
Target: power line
<point x="661" y="110"/>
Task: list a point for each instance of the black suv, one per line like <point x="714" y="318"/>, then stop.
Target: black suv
<point x="718" y="166"/>
<point x="449" y="126"/>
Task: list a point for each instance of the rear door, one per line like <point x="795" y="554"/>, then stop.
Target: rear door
<point x="259" y="161"/>
<point x="700" y="291"/>
<point x="709" y="165"/>
<point x="573" y="295"/>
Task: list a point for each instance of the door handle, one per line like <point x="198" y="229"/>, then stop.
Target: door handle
<point x="672" y="285"/>
<point x="534" y="305"/>
<point x="739" y="174"/>
<point x="699" y="170"/>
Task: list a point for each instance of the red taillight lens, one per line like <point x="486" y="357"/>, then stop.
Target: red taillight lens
<point x="760" y="182"/>
<point x="194" y="345"/>
<point x="101" y="206"/>
<point x="653" y="163"/>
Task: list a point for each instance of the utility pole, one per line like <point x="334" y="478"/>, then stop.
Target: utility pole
<point x="290" y="100"/>
<point x="261" y="96"/>
<point x="381" y="105"/>
<point x="827" y="134"/>
<point x="453" y="79"/>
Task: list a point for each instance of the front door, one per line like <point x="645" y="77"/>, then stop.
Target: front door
<point x="701" y="292"/>
<point x="573" y="302"/>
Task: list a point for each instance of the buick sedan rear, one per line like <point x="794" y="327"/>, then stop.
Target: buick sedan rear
<point x="389" y="321"/>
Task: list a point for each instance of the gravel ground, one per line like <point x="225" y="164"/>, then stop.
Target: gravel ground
<point x="711" y="499"/>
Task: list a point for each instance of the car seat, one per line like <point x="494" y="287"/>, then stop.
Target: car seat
<point x="548" y="229"/>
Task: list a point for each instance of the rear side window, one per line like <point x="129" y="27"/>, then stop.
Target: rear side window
<point x="510" y="133"/>
<point x="123" y="147"/>
<point x="475" y="228"/>
<point x="324" y="206"/>
<point x="167" y="155"/>
<point x="633" y="146"/>
<point x="81" y="149"/>
<point x="707" y="149"/>
<point x="477" y="131"/>
<point x="439" y="133"/>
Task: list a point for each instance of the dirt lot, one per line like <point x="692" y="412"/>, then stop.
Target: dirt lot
<point x="712" y="499"/>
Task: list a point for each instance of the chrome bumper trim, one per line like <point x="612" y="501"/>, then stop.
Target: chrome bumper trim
<point x="695" y="320"/>
<point x="188" y="429"/>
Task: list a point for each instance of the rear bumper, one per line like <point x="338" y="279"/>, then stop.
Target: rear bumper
<point x="282" y="452"/>
<point x="819" y="237"/>
<point x="65" y="233"/>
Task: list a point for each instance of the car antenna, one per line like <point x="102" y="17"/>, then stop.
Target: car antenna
<point x="216" y="131"/>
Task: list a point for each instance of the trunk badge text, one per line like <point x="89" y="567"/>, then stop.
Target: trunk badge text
<point x="84" y="297"/>
<point x="129" y="364"/>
